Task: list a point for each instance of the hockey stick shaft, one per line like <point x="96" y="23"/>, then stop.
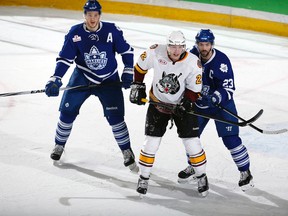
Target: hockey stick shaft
<point x="173" y="107"/>
<point x="251" y="125"/>
<point x="8" y="94"/>
<point x="36" y="91"/>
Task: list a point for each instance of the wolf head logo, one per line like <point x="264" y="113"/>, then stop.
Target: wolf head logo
<point x="169" y="83"/>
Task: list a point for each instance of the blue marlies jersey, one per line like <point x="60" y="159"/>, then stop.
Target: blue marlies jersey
<point x="94" y="52"/>
<point x="217" y="75"/>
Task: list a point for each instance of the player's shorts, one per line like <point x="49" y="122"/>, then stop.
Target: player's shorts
<point x="110" y="96"/>
<point x="156" y="123"/>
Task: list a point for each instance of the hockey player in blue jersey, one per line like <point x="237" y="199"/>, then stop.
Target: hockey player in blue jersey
<point x="218" y="88"/>
<point x="92" y="45"/>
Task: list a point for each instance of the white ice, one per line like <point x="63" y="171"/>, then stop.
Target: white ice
<point x="91" y="178"/>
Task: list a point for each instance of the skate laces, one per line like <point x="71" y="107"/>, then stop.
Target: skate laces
<point x="58" y="150"/>
<point x="202" y="181"/>
<point x="244" y="175"/>
<point x="127" y="154"/>
<point x="142" y="183"/>
<point x="189" y="170"/>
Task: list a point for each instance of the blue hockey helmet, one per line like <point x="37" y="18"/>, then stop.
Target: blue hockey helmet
<point x="205" y="35"/>
<point x="92" y="5"/>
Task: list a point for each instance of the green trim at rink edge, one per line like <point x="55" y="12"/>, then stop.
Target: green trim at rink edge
<point x="273" y="6"/>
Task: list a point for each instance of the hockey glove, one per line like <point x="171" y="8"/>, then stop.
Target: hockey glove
<point x="52" y="87"/>
<point x="185" y="106"/>
<point x="138" y="93"/>
<point x="127" y="77"/>
<point x="211" y="100"/>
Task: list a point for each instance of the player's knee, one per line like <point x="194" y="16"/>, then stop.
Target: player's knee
<point x="232" y="141"/>
<point x="192" y="145"/>
<point x="67" y="117"/>
<point x="113" y="120"/>
<point x="151" y="144"/>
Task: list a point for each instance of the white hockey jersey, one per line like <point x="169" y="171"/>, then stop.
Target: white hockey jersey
<point x="170" y="78"/>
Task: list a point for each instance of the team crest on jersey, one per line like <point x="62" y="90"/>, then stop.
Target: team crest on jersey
<point x="169" y="83"/>
<point x="76" y="38"/>
<point x="95" y="60"/>
<point x="224" y="68"/>
<point x="94" y="37"/>
<point x="162" y="61"/>
<point x="205" y="90"/>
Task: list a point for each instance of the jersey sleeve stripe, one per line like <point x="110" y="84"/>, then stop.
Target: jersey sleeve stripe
<point x="139" y="69"/>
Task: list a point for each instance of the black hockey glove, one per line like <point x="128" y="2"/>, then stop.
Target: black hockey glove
<point x="185" y="106"/>
<point x="138" y="93"/>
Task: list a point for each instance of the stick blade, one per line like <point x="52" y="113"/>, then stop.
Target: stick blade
<point x="275" y="131"/>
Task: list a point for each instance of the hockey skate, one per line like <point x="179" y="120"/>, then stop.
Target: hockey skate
<point x="187" y="175"/>
<point x="142" y="185"/>
<point x="203" y="185"/>
<point x="245" y="181"/>
<point x="129" y="160"/>
<point x="57" y="152"/>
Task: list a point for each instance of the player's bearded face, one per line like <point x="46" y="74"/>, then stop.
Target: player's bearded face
<point x="175" y="51"/>
<point x="205" y="49"/>
<point x="92" y="20"/>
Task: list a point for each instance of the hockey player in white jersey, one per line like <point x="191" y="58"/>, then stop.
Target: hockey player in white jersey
<point x="177" y="80"/>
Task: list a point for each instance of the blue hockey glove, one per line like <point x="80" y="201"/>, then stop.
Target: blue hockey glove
<point x="127" y="77"/>
<point x="211" y="100"/>
<point x="52" y="87"/>
<point x="138" y="93"/>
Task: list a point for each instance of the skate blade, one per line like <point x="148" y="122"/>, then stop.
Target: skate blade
<point x="134" y="168"/>
<point x="192" y="179"/>
<point x="204" y="194"/>
<point x="248" y="186"/>
<point x="141" y="196"/>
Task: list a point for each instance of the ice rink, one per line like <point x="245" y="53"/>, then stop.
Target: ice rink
<point x="91" y="178"/>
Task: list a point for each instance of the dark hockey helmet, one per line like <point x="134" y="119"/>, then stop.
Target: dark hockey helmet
<point x="205" y="35"/>
<point x="92" y="5"/>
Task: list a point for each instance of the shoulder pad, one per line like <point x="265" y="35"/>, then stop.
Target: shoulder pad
<point x="154" y="46"/>
<point x="199" y="63"/>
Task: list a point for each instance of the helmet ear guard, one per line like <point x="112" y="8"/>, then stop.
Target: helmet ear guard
<point x="92" y="5"/>
<point x="205" y="35"/>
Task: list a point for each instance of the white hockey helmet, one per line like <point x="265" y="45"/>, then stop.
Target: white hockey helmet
<point x="176" y="38"/>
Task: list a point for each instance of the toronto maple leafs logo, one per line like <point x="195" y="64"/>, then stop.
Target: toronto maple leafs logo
<point x="224" y="68"/>
<point x="205" y="90"/>
<point x="94" y="59"/>
<point x="169" y="83"/>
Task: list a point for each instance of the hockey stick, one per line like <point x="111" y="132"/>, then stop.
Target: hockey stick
<point x="251" y="125"/>
<point x="241" y="124"/>
<point x="38" y="91"/>
<point x="61" y="89"/>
